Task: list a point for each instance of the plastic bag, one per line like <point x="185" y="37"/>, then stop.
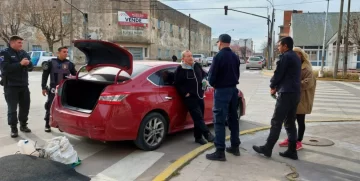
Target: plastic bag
<point x="59" y="149"/>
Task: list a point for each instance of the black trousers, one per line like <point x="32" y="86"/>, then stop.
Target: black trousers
<point x="301" y="123"/>
<point x="285" y="112"/>
<point x="50" y="98"/>
<point x="15" y="96"/>
<point x="196" y="108"/>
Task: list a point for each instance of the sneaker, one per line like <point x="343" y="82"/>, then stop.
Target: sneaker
<point x="25" y="129"/>
<point x="14" y="132"/>
<point x="284" y="143"/>
<point x="299" y="145"/>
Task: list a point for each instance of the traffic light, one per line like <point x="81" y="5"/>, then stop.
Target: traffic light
<point x="226" y="10"/>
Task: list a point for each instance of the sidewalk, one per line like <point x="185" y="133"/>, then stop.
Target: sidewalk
<point x="341" y="161"/>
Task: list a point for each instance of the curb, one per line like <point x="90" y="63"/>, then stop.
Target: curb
<point x="182" y="161"/>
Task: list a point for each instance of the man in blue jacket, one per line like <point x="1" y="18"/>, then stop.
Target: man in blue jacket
<point x="15" y="64"/>
<point x="224" y="75"/>
<point x="286" y="82"/>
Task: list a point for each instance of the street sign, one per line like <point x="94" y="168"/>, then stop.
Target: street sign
<point x="126" y="18"/>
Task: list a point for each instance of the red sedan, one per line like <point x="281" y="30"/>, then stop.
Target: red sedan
<point x="119" y="99"/>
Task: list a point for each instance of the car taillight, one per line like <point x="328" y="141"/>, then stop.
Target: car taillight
<point x="260" y="62"/>
<point x="113" y="99"/>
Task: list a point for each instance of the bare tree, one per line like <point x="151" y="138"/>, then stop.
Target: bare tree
<point x="46" y="16"/>
<point x="10" y="20"/>
<point x="354" y="28"/>
<point x="243" y="51"/>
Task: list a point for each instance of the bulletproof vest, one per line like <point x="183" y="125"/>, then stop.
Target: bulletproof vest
<point x="58" y="71"/>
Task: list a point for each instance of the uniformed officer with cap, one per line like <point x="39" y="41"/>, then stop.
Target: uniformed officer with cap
<point x="58" y="68"/>
<point x="15" y="64"/>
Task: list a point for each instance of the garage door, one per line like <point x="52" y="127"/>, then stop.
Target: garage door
<point x="136" y="52"/>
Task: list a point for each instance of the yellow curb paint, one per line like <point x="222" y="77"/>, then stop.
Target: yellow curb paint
<point x="182" y="161"/>
<point x="179" y="163"/>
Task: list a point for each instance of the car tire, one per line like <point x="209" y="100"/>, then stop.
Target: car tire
<point x="148" y="133"/>
<point x="43" y="65"/>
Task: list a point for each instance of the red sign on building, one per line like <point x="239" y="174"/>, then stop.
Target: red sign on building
<point x="133" y="19"/>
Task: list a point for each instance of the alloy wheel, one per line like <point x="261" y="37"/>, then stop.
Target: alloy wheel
<point x="154" y="132"/>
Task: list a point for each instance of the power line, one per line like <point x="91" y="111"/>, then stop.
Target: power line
<point x="311" y="2"/>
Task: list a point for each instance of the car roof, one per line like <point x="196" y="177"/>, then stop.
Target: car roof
<point x="155" y="63"/>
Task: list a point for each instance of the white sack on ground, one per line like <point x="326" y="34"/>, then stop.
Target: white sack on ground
<point x="59" y="149"/>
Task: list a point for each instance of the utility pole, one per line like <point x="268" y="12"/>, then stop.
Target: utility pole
<point x="189" y="31"/>
<point x="346" y="40"/>
<point x="321" y="73"/>
<point x="61" y="25"/>
<point x="338" y="41"/>
<point x="270" y="39"/>
<point x="71" y="32"/>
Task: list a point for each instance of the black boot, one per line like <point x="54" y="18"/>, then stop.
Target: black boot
<point x="201" y="141"/>
<point x="218" y="155"/>
<point x="233" y="150"/>
<point x="47" y="127"/>
<point x="209" y="137"/>
<point x="290" y="152"/>
<point x="25" y="129"/>
<point x="14" y="132"/>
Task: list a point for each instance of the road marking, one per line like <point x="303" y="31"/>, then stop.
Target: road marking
<point x="130" y="167"/>
<point x="350" y="85"/>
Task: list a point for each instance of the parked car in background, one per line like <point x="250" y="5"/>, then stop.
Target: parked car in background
<point x="263" y="60"/>
<point x="209" y="60"/>
<point x="128" y="100"/>
<point x="39" y="57"/>
<point x="200" y="58"/>
<point x="242" y="61"/>
<point x="254" y="62"/>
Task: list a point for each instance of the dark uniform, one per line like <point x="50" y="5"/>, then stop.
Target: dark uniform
<point x="58" y="70"/>
<point x="15" y="80"/>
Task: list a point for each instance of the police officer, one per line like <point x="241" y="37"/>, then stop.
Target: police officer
<point x="15" y="64"/>
<point x="58" y="68"/>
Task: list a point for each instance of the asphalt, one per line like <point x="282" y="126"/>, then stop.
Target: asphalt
<point x="338" y="162"/>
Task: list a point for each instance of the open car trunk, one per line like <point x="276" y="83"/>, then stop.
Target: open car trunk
<point x="82" y="95"/>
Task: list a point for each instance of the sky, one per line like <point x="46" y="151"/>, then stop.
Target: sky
<point x="239" y="25"/>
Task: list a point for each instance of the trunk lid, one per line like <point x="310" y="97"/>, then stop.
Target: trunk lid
<point x="101" y="53"/>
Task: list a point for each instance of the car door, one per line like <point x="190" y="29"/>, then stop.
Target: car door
<point x="172" y="101"/>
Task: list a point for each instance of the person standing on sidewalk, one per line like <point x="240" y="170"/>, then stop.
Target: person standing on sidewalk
<point x="308" y="86"/>
<point x="286" y="82"/>
<point x="224" y="75"/>
<point x="15" y="65"/>
<point x="58" y="68"/>
<point x="189" y="78"/>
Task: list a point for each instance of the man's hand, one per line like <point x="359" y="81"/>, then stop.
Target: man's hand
<point x="44" y="92"/>
<point x="272" y="91"/>
<point x="25" y="62"/>
<point x="187" y="95"/>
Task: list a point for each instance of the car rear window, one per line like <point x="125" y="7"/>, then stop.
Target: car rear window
<point x="255" y="59"/>
<point x="137" y="69"/>
<point x="196" y="56"/>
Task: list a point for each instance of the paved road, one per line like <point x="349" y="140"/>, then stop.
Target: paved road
<point x="123" y="161"/>
<point x="117" y="160"/>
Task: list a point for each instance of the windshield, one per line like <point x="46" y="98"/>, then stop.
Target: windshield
<point x="196" y="56"/>
<point x="48" y="54"/>
<point x="254" y="59"/>
<point x="261" y="57"/>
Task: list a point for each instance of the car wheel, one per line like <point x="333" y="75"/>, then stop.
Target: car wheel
<point x="152" y="132"/>
<point x="43" y="66"/>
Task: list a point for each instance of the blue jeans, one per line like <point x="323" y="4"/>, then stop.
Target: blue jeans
<point x="226" y="105"/>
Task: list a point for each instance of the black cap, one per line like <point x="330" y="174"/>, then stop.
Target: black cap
<point x="225" y="38"/>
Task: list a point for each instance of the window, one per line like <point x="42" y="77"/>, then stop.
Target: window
<point x="66" y="18"/>
<point x="159" y="24"/>
<point x="36" y="54"/>
<point x="36" y="48"/>
<point x="2" y="47"/>
<point x="159" y="53"/>
<point x="313" y="55"/>
<point x="146" y="52"/>
<point x="171" y="28"/>
<point x="47" y="54"/>
<point x="163" y="77"/>
<point x="167" y="53"/>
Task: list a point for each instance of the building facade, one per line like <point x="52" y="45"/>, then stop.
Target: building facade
<point x="238" y="46"/>
<point x="285" y="28"/>
<point x="307" y="30"/>
<point x="147" y="28"/>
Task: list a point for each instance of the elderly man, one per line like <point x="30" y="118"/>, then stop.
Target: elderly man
<point x="189" y="78"/>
